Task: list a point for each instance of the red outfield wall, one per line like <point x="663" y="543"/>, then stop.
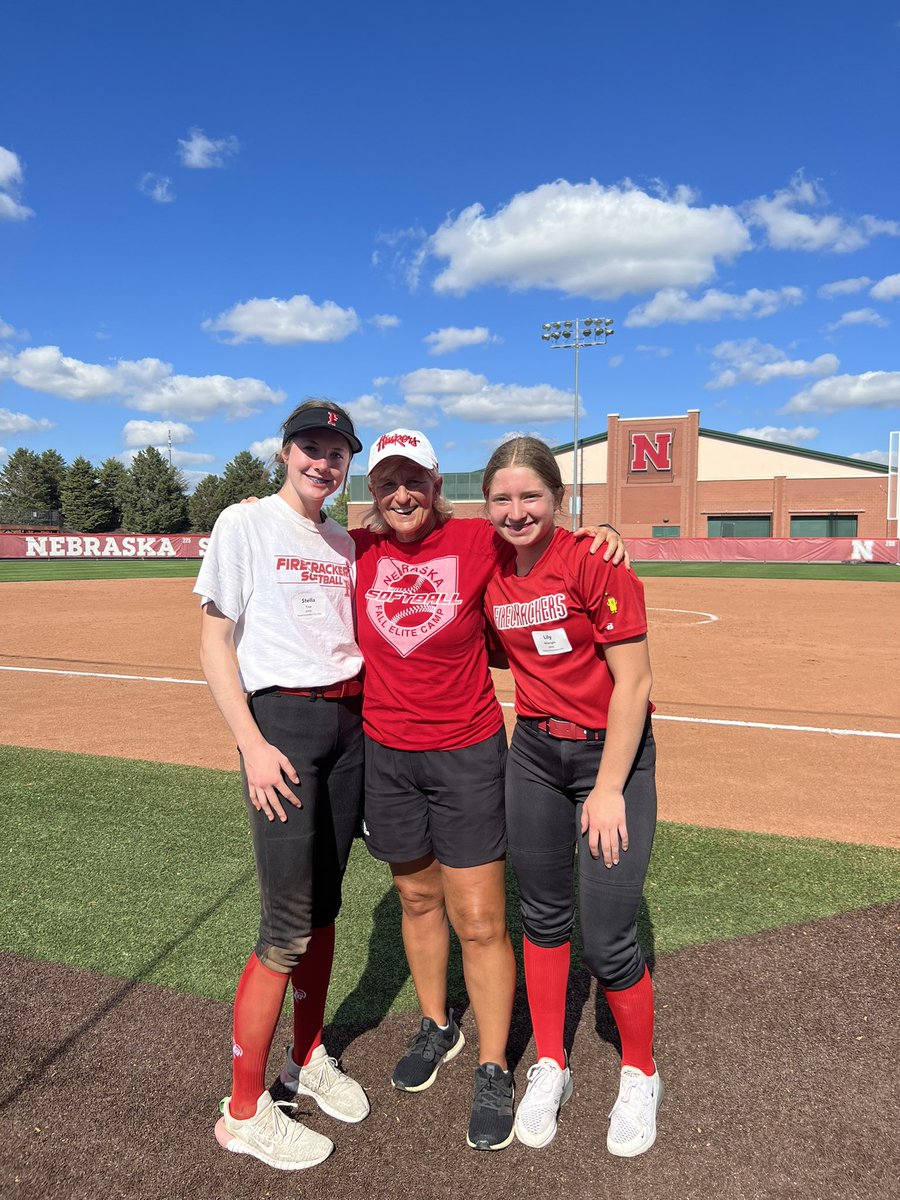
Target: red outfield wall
<point x="839" y="550"/>
<point x="103" y="545"/>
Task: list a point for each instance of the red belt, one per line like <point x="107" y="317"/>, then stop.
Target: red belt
<point x="564" y="729"/>
<point x="334" y="691"/>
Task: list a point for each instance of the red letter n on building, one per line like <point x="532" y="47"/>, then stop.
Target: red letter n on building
<point x="653" y="447"/>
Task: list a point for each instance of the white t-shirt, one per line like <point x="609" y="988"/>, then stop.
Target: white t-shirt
<point x="287" y="584"/>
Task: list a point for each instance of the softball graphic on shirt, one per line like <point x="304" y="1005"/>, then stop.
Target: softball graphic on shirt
<point x="408" y="603"/>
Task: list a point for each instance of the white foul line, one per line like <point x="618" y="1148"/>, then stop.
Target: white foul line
<point x="100" y="675"/>
<point x="872" y="733"/>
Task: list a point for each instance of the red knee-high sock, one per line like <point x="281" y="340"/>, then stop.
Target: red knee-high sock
<point x="310" y="979"/>
<point x="257" y="1007"/>
<point x="547" y="980"/>
<point x="632" y="1010"/>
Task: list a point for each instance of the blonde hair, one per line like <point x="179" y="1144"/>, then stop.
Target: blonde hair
<point x="528" y="452"/>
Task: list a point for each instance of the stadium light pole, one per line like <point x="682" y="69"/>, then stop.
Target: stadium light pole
<point x="577" y="335"/>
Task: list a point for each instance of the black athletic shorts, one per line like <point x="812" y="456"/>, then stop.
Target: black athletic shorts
<point x="448" y="803"/>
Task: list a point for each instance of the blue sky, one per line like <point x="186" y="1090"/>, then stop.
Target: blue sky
<point x="210" y="211"/>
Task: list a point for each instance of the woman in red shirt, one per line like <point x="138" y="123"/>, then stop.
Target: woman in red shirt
<point x="580" y="773"/>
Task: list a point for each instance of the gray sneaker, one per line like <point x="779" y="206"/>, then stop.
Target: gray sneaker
<point x="271" y="1136"/>
<point x="322" y="1079"/>
<point x="425" y="1052"/>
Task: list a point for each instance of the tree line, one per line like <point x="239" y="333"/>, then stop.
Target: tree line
<point x="150" y="496"/>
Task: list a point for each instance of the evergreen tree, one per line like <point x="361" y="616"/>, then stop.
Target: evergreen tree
<point x="155" y="496"/>
<point x="113" y="479"/>
<point x="337" y="509"/>
<point x="246" y="475"/>
<point x="26" y="486"/>
<point x="279" y="474"/>
<point x="205" y="504"/>
<point x="85" y="505"/>
<point x="54" y="466"/>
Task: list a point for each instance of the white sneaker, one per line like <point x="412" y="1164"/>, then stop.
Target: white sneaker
<point x="334" y="1092"/>
<point x="549" y="1087"/>
<point x="632" y="1121"/>
<point x="272" y="1137"/>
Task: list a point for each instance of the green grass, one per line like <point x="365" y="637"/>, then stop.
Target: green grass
<point x="33" y="571"/>
<point x="144" y="871"/>
<point x="865" y="572"/>
<point x="38" y="570"/>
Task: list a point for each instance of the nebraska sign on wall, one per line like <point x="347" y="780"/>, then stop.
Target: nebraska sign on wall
<point x="651" y="450"/>
<point x="101" y="545"/>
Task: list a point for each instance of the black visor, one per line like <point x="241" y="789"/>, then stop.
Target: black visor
<point x="322" y="418"/>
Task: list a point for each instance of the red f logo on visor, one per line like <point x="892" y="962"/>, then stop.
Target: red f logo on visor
<point x="655" y="447"/>
<point x="332" y="418"/>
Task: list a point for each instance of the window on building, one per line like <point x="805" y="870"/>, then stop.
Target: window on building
<point x="830" y="525"/>
<point x="667" y="531"/>
<point x="736" y="526"/>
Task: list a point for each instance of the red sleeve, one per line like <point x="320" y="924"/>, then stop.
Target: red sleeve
<point x="613" y="598"/>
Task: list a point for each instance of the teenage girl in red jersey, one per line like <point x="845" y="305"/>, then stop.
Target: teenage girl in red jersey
<point x="580" y="773"/>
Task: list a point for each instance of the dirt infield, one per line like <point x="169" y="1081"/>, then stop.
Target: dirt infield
<point x="779" y="652"/>
<point x="109" y="1088"/>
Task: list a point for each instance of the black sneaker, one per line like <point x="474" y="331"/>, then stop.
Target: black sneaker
<point x="491" y="1125"/>
<point x="424" y="1054"/>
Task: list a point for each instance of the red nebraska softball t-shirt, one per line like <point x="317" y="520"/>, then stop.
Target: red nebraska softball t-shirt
<point x="420" y="626"/>
<point x="553" y="622"/>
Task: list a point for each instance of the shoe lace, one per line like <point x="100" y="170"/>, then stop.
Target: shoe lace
<point x="423" y="1043"/>
<point x="326" y="1072"/>
<point x="490" y="1095"/>
<point x="541" y="1077"/>
<point x="635" y="1095"/>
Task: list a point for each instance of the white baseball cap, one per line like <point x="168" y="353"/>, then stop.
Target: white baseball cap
<point x="403" y="443"/>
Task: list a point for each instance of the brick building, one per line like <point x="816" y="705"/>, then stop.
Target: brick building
<point x="667" y="477"/>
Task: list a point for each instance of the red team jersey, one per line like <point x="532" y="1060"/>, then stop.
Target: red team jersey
<point x="420" y="621"/>
<point x="553" y="622"/>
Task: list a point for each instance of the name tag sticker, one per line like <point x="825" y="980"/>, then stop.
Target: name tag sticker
<point x="308" y="604"/>
<point x="551" y="641"/>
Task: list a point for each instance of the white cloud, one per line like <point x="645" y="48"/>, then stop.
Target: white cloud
<point x="285" y="322"/>
<point x="371" y="412"/>
<point x="789" y="229"/>
<point x="872" y="389"/>
<point x="198" y="397"/>
<point x="4" y="454"/>
<point x="16" y="422"/>
<point x="588" y="240"/>
<point x="470" y="397"/>
<point x="47" y="369"/>
<point x="674" y="304"/>
<point x="786" y="437"/>
<point x="10" y="332"/>
<point x="384" y="321"/>
<point x="266" y="448"/>
<point x="152" y="433"/>
<point x="147" y="385"/>
<point x="617" y="360"/>
<point x="12" y="177"/>
<point x="157" y="187"/>
<point x="887" y="288"/>
<point x="859" y="316"/>
<point x="192" y="478"/>
<point x="657" y="351"/>
<point x="875" y="456"/>
<point x="843" y="287"/>
<point x="445" y="341"/>
<point x="202" y="152"/>
<point x="752" y="361"/>
<point x="180" y="458"/>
